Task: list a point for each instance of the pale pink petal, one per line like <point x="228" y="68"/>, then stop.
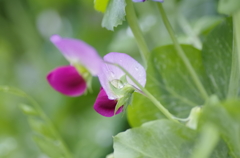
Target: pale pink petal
<point x="105" y="106"/>
<point x="110" y="72"/>
<point x="67" y="81"/>
<point x="77" y="51"/>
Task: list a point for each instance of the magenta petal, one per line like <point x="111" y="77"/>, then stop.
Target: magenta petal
<point x="67" y="81"/>
<point x="77" y="51"/>
<point x="105" y="106"/>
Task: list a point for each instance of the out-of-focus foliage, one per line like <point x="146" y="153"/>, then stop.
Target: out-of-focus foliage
<point x="26" y="56"/>
<point x="228" y="6"/>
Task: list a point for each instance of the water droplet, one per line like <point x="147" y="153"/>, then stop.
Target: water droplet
<point x="136" y="68"/>
<point x="112" y="74"/>
<point x="117" y="83"/>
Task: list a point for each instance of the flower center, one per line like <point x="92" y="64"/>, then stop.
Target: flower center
<point x="117" y="83"/>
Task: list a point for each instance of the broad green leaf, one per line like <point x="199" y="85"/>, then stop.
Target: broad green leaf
<point x="101" y="5"/>
<point x="160" y="139"/>
<point x="225" y="116"/>
<point x="170" y="82"/>
<point x="114" y="14"/>
<point x="228" y="6"/>
<point x="217" y="57"/>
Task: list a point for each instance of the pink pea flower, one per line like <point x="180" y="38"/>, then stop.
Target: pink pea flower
<point x="117" y="88"/>
<point x="73" y="80"/>
<point x="145" y="0"/>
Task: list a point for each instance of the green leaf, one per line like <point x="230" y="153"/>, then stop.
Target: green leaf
<point x="101" y="5"/>
<point x="50" y="147"/>
<point x="41" y="127"/>
<point x="228" y="6"/>
<point x="46" y="136"/>
<point x="114" y="14"/>
<point x="154" y="139"/>
<point x="28" y="110"/>
<point x="226" y="117"/>
<point x="170" y="82"/>
<point x="159" y="139"/>
<point x="142" y="110"/>
<point x="217" y="57"/>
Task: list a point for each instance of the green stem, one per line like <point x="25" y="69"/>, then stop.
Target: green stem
<point x="235" y="72"/>
<point x="42" y="115"/>
<point x="181" y="53"/>
<point x="148" y="94"/>
<point x="186" y="27"/>
<point x="133" y="24"/>
<point x="235" y="75"/>
<point x="208" y="141"/>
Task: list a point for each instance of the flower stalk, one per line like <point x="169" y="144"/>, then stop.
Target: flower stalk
<point x="133" y="24"/>
<point x="235" y="72"/>
<point x="181" y="53"/>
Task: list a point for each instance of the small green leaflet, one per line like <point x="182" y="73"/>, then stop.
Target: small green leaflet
<point x="114" y="15"/>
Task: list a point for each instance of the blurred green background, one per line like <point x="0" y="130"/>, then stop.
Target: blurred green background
<point x="26" y="56"/>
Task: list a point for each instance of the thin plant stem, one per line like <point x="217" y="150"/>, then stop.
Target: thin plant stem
<point x="133" y="24"/>
<point x="209" y="138"/>
<point x="235" y="72"/>
<point x="183" y="22"/>
<point x="147" y="94"/>
<point x="37" y="107"/>
<point x="181" y="53"/>
<point x="236" y="24"/>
